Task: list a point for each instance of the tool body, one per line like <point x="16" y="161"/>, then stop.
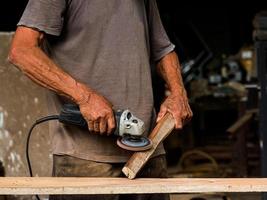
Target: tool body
<point x="129" y="128"/>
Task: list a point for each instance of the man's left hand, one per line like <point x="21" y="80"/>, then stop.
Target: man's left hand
<point x="178" y="106"/>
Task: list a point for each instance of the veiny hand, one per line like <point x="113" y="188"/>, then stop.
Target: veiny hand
<point x="179" y="107"/>
<point x="98" y="113"/>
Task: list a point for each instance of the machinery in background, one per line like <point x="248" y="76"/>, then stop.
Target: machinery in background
<point x="193" y="68"/>
<point x="260" y="38"/>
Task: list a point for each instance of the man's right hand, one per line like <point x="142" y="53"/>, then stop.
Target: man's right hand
<point x="98" y="113"/>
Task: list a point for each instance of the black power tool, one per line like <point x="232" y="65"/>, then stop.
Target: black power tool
<point x="128" y="127"/>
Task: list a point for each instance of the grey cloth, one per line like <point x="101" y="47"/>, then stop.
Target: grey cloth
<point x="108" y="45"/>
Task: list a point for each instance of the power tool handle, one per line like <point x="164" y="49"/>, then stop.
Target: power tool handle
<point x="70" y="114"/>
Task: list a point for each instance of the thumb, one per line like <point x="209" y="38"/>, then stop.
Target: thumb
<point x="162" y="112"/>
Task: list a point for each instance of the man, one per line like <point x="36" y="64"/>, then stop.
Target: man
<point x="98" y="54"/>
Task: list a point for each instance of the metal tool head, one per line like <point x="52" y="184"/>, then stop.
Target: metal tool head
<point x="134" y="143"/>
<point x="130" y="129"/>
<point x="128" y="124"/>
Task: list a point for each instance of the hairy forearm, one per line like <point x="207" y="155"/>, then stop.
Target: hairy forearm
<point x="41" y="69"/>
<point x="177" y="102"/>
<point x="169" y="69"/>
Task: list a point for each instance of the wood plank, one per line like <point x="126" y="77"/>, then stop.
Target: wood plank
<point x="240" y="123"/>
<point x="47" y="185"/>
<point x="139" y="159"/>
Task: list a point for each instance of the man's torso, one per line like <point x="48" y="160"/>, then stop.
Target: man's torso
<point x="106" y="45"/>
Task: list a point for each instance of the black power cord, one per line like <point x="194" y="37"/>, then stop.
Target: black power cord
<point x="39" y="121"/>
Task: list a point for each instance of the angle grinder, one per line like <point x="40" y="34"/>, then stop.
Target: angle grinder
<point x="129" y="128"/>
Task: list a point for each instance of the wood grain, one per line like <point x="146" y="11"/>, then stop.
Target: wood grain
<point x="31" y="186"/>
<point x="139" y="159"/>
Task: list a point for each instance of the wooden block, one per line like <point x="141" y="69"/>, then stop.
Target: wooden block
<point x="139" y="159"/>
<point x="240" y="123"/>
<point x="75" y="186"/>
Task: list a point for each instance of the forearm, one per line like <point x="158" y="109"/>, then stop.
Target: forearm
<point x="41" y="69"/>
<point x="177" y="102"/>
<point x="169" y="69"/>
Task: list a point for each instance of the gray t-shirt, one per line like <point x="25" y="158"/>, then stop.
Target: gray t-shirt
<point x="108" y="45"/>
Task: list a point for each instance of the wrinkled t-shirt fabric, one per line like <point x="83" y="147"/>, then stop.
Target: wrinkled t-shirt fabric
<point x="108" y="45"/>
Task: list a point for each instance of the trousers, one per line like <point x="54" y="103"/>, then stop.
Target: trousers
<point x="67" y="166"/>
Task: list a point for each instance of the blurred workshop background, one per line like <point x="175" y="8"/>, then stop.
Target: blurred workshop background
<point x="223" y="52"/>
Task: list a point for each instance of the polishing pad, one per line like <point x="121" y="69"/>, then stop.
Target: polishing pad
<point x="134" y="143"/>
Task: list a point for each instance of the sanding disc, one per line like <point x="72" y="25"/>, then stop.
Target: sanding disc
<point x="134" y="143"/>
